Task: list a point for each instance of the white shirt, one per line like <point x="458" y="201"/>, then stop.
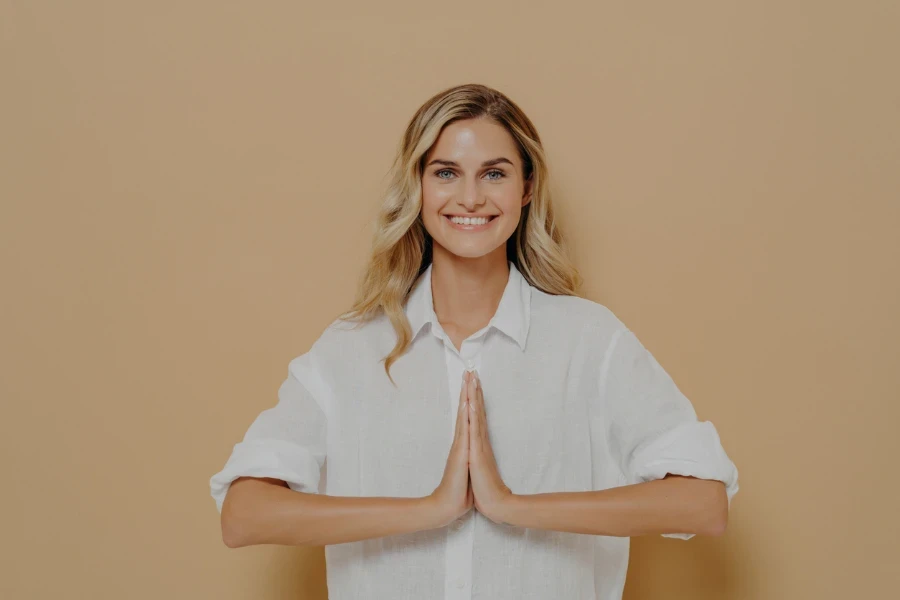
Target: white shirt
<point x="573" y="401"/>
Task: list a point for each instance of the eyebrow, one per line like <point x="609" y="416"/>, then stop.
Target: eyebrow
<point x="487" y="163"/>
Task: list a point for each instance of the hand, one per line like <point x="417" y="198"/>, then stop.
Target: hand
<point x="453" y="496"/>
<point x="487" y="485"/>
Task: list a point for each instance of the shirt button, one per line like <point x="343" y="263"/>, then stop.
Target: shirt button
<point x="470" y="364"/>
<point x="460" y="583"/>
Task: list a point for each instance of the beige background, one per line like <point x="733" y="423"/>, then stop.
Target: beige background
<point x="186" y="194"/>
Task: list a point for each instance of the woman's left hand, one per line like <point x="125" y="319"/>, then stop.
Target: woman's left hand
<point x="490" y="492"/>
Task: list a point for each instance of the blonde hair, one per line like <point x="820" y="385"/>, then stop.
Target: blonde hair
<point x="401" y="248"/>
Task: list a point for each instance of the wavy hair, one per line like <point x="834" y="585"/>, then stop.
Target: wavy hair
<point x="402" y="248"/>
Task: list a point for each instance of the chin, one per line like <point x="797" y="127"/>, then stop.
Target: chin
<point x="463" y="254"/>
<point x="463" y="251"/>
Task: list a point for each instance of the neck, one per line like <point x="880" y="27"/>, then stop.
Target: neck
<point x="467" y="291"/>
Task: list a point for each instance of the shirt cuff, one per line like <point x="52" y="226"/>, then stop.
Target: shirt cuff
<point x="690" y="449"/>
<point x="279" y="459"/>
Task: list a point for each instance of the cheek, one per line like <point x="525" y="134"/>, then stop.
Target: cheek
<point x="510" y="198"/>
<point x="435" y="195"/>
<point x="431" y="194"/>
<point x="432" y="204"/>
<point x="511" y="205"/>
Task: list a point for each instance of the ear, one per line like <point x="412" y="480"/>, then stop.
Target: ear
<point x="526" y="197"/>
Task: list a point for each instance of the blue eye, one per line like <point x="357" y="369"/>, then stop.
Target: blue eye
<point x="494" y="172"/>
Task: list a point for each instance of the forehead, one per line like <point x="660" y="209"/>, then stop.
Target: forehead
<point x="473" y="140"/>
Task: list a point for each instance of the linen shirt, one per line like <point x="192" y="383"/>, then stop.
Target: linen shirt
<point x="573" y="401"/>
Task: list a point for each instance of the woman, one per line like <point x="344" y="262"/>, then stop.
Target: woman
<point x="469" y="374"/>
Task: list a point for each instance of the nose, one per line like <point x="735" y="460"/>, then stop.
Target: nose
<point x="470" y="196"/>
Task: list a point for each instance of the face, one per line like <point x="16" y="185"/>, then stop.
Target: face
<point x="473" y="189"/>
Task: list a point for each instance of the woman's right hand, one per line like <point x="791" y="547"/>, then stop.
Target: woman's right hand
<point x="453" y="497"/>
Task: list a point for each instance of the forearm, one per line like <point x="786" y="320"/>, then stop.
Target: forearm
<point x="263" y="513"/>
<point x="671" y="505"/>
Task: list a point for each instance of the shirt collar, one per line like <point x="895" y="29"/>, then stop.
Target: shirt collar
<point x="512" y="316"/>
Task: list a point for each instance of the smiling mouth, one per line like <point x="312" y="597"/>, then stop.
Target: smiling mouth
<point x="470" y="221"/>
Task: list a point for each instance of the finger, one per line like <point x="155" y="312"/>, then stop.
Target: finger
<point x="462" y="413"/>
<point x="475" y="424"/>
<point x="466" y="426"/>
<point x="483" y="411"/>
<point x="478" y="411"/>
<point x="479" y="404"/>
<point x="464" y="429"/>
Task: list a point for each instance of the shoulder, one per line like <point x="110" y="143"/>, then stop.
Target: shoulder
<point x="336" y="353"/>
<point x="575" y="313"/>
<point x="342" y="341"/>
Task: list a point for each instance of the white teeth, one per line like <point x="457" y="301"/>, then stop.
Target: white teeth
<point x="469" y="220"/>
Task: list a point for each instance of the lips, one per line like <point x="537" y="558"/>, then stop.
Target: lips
<point x="488" y="217"/>
<point x="471" y="227"/>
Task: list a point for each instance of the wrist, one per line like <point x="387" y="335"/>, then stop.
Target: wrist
<point x="502" y="510"/>
<point x="434" y="512"/>
<point x="511" y="509"/>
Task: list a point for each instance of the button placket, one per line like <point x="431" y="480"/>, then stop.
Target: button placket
<point x="459" y="546"/>
<point x="470" y="353"/>
<point x="458" y="561"/>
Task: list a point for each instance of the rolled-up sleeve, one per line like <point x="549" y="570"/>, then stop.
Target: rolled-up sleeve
<point x="286" y="441"/>
<point x="653" y="429"/>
